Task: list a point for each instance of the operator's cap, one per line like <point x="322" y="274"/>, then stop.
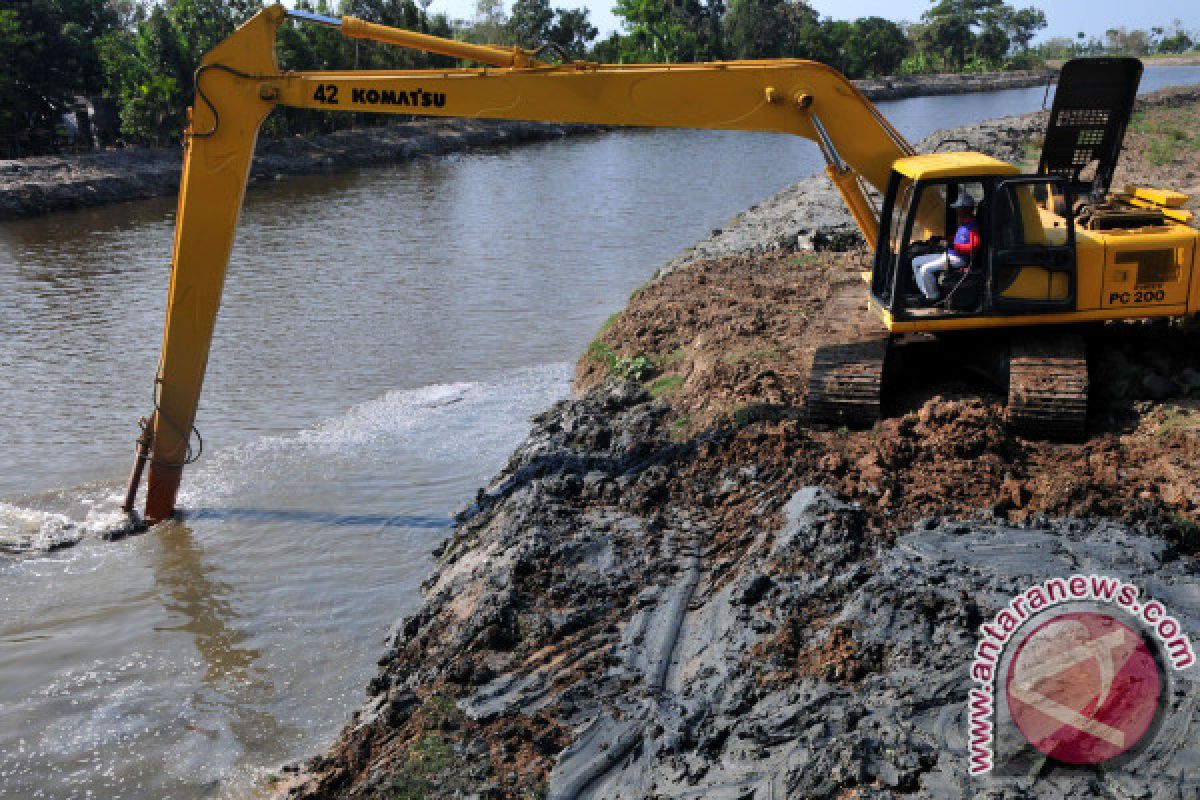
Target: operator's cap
<point x="965" y="201"/>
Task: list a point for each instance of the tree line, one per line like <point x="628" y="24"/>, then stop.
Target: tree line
<point x="121" y="71"/>
<point x="1158" y="40"/>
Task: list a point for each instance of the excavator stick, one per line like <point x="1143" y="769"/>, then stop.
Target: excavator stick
<point x="218" y="147"/>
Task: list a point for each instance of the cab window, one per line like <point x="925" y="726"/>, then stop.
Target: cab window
<point x="900" y="214"/>
<point x="936" y="222"/>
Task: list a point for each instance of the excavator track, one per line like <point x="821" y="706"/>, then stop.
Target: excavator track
<point x="1048" y="386"/>
<point x="846" y="382"/>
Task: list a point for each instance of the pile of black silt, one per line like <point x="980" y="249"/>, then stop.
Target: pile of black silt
<point x="825" y="660"/>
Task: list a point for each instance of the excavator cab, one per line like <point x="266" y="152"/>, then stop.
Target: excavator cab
<point x="1058" y="250"/>
<point x="1029" y="261"/>
<point x="1024" y="265"/>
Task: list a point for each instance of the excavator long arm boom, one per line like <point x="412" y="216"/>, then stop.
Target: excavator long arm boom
<point x="239" y="83"/>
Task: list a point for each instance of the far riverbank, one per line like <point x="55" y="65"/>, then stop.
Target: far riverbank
<point x="34" y="186"/>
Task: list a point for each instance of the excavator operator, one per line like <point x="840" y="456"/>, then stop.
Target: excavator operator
<point x="959" y="253"/>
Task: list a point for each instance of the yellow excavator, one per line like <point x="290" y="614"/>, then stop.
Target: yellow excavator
<point x="1058" y="248"/>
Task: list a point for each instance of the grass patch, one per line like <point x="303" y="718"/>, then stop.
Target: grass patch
<point x="432" y="754"/>
<point x="751" y="355"/>
<point x="633" y="368"/>
<point x="438" y="709"/>
<point x="666" y="385"/>
<point x="608" y="323"/>
<point x="1161" y="151"/>
<point x="805" y="260"/>
<point x="757" y="412"/>
<point x="1172" y="419"/>
<point x="600" y="353"/>
<point x="1031" y="150"/>
<point x="427" y="757"/>
<point x="630" y="368"/>
<point x="1186" y="533"/>
<point x="671" y="358"/>
<point x="626" y="368"/>
<point x="1168" y="132"/>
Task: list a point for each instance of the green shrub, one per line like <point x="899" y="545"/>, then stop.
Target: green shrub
<point x="633" y="368"/>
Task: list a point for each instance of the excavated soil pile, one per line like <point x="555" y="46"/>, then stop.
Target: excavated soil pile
<point x="677" y="588"/>
<point x="624" y="614"/>
<point x="734" y="339"/>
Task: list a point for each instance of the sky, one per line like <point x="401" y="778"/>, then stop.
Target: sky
<point x="1065" y="17"/>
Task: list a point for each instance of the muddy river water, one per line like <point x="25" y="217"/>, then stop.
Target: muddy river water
<point x="384" y="337"/>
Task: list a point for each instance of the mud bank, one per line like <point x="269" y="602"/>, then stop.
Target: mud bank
<point x="33" y="186"/>
<point x="676" y="588"/>
<point x="901" y="87"/>
<point x="627" y="615"/>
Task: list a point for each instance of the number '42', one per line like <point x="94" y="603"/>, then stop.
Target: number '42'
<point x="326" y="93"/>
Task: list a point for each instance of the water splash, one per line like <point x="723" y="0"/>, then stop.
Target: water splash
<point x="443" y="422"/>
<point x="27" y="530"/>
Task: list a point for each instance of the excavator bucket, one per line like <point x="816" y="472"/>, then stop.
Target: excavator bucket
<point x="1092" y="107"/>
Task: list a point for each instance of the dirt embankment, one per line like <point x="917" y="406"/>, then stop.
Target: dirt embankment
<point x="33" y="186"/>
<point x="900" y="87"/>
<point x="676" y="588"/>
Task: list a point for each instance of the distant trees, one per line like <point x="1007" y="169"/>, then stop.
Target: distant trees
<point x="146" y="66"/>
<point x="669" y="31"/>
<point x="1178" y="42"/>
<point x="781" y="29"/>
<point x="535" y="24"/>
<point x="952" y="35"/>
<point x="1169" y="40"/>
<point x="572" y="32"/>
<point x="874" y="46"/>
<point x="138" y="57"/>
<point x="973" y="34"/>
<point x="149" y="65"/>
<point x="48" y="56"/>
<point x="764" y="27"/>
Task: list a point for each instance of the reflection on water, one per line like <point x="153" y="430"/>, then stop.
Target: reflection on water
<point x="384" y="337"/>
<point x="195" y="591"/>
